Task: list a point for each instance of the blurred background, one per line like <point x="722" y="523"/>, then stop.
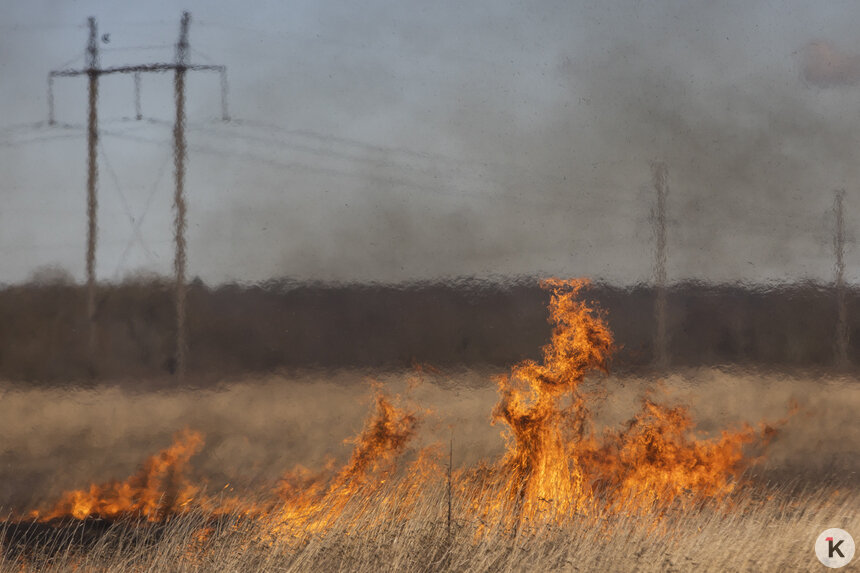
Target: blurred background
<point x="384" y="184"/>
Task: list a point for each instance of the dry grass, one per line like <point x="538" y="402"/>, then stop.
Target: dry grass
<point x="54" y="440"/>
<point x="755" y="533"/>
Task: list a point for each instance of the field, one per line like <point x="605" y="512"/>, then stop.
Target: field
<point x="257" y="430"/>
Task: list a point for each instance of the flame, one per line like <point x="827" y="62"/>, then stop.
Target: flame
<point x="314" y="499"/>
<point x="555" y="467"/>
<point x="156" y="491"/>
<point x="657" y="459"/>
<point x="542" y="466"/>
<point x="384" y="437"/>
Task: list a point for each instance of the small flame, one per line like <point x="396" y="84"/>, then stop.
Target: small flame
<point x="314" y="499"/>
<point x="156" y="491"/>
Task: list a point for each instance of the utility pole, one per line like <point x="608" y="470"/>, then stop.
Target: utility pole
<point x="137" y="114"/>
<point x="50" y="99"/>
<point x="660" y="179"/>
<point x="92" y="177"/>
<point x="841" y="309"/>
<point x="225" y="113"/>
<point x="179" y="196"/>
<point x="179" y="67"/>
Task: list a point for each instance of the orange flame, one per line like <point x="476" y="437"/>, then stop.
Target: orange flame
<point x="313" y="499"/>
<point x="657" y="459"/>
<point x="542" y="467"/>
<point x="156" y="491"/>
<point x="556" y="467"/>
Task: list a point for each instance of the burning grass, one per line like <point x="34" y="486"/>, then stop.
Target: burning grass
<point x="562" y="495"/>
<point x="770" y="529"/>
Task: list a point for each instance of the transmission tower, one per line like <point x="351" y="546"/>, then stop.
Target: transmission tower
<point x="661" y="186"/>
<point x="93" y="71"/>
<point x="841" y="308"/>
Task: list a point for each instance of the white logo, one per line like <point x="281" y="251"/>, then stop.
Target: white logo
<point x="834" y="547"/>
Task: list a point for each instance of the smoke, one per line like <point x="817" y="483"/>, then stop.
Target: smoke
<point x="825" y="65"/>
<point x="468" y="141"/>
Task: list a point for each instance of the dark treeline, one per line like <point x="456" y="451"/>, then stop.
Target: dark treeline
<point x="236" y="330"/>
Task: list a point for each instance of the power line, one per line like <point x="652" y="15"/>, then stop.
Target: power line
<point x="356" y="151"/>
<point x="427" y="155"/>
<point x="27" y="28"/>
<point x="136" y="48"/>
<point x="29" y="126"/>
<point x="353" y="154"/>
<point x="43" y="138"/>
<point x="382" y="180"/>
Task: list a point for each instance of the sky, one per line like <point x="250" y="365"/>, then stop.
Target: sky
<point x="399" y="141"/>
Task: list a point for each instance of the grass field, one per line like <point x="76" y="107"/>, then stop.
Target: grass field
<point x="750" y="535"/>
<point x="256" y="430"/>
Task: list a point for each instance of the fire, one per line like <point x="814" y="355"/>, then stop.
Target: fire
<point x="313" y="499"/>
<point x="556" y="466"/>
<point x="543" y="465"/>
<point x="657" y="459"/>
<point x="159" y="489"/>
<point x="384" y="437"/>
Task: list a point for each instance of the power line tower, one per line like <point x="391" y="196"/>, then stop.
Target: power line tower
<point x="660" y="176"/>
<point x="93" y="71"/>
<point x="841" y="308"/>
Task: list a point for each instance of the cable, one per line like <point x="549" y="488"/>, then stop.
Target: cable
<point x="22" y="126"/>
<point x="41" y="139"/>
<point x="383" y="181"/>
<point x="395" y="150"/>
<point x="138" y="48"/>
<point x="70" y="62"/>
<point x="202" y="55"/>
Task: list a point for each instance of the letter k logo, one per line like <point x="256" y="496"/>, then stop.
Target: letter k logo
<point x="834" y="547"/>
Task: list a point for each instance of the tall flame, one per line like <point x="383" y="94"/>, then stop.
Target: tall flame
<point x="543" y="467"/>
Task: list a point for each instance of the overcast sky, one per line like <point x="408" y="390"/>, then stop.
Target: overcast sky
<point x="393" y="141"/>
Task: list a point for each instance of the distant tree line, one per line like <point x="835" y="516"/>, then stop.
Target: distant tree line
<point x="235" y="330"/>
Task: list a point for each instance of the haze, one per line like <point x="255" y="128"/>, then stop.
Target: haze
<point x="397" y="141"/>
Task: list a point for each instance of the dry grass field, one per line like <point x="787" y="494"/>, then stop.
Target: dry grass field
<point x="554" y="465"/>
<point x="749" y="535"/>
<point x="256" y="430"/>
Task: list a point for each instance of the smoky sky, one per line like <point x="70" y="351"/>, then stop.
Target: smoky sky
<point x="826" y="65"/>
<point x="393" y="141"/>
